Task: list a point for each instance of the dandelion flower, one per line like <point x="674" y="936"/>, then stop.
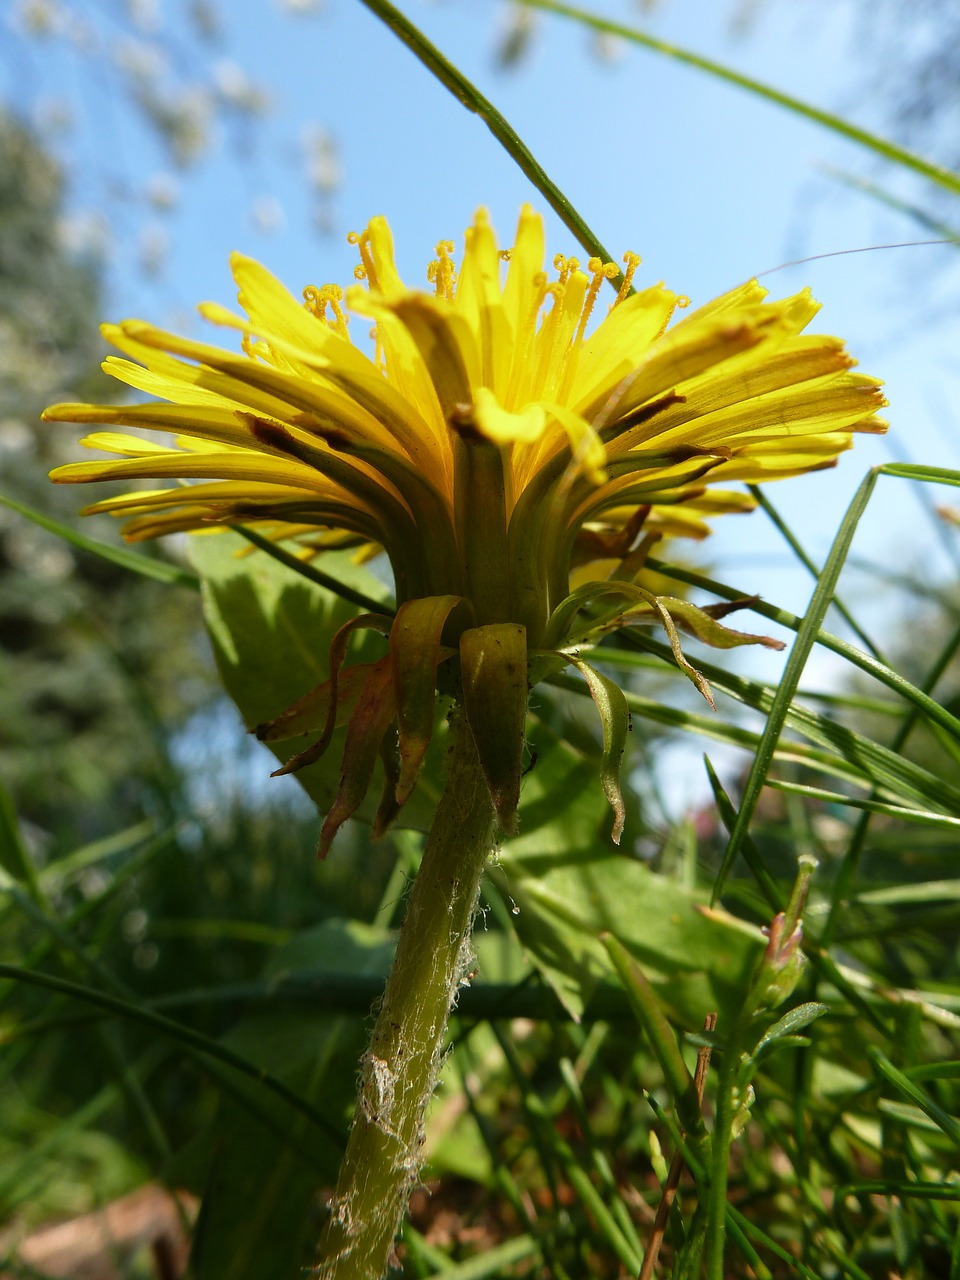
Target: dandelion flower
<point x="492" y="442"/>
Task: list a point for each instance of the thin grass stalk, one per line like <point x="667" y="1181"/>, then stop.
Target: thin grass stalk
<point x="177" y="1031"/>
<point x="786" y="691"/>
<point x="469" y="96"/>
<point x="793" y="543"/>
<point x="945" y="178"/>
<point x="843" y="884"/>
<point x="137" y="561"/>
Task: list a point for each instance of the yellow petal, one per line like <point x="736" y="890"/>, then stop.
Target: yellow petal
<point x="503" y="427"/>
<point x="619" y="343"/>
<point x="479" y="299"/>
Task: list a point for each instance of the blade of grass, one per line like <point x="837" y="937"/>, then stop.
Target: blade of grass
<point x="878" y="670"/>
<point x="555" y="1151"/>
<point x="847" y="871"/>
<point x="14" y="857"/>
<point x="947" y="234"/>
<point x="598" y="1158"/>
<point x="753" y="1232"/>
<point x="491" y="1262"/>
<point x="663" y="1041"/>
<point x="778" y="522"/>
<point x="311" y="572"/>
<point x="914" y="471"/>
<point x="823" y="962"/>
<point x="20" y="1177"/>
<point x="861" y="759"/>
<point x="918" y="1190"/>
<point x="147" y="566"/>
<point x="919" y="1097"/>
<point x="806" y="638"/>
<point x="921" y="816"/>
<point x="873" y="142"/>
<point x="176" y="1031"/>
<point x="58" y="873"/>
<point x="469" y="96"/>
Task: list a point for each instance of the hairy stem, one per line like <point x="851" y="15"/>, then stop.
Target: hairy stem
<point x="399" y="1070"/>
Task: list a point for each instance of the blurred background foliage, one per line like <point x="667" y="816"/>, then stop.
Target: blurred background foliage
<point x="146" y="861"/>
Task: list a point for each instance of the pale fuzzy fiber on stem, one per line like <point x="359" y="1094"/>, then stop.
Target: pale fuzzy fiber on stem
<point x="400" y="1068"/>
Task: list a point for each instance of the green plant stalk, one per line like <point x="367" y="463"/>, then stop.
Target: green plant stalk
<point x="469" y="96"/>
<point x="399" y="1070"/>
<point x="720" y="1162"/>
<point x="873" y="142"/>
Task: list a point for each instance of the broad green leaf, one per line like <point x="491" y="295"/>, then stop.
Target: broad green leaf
<point x="271" y="630"/>
<point x="568" y="885"/>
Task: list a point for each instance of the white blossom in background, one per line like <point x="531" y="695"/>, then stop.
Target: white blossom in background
<point x="40" y="17"/>
<point x="322" y="160"/>
<point x="301" y="7"/>
<point x="267" y="214"/>
<point x="608" y="48"/>
<point x="153" y="246"/>
<point x="162" y="191"/>
<point x="237" y="90"/>
<point x="205" y="17"/>
<point x="86" y="234"/>
<point x="145" y="14"/>
<point x="53" y="115"/>
<point x="144" y="61"/>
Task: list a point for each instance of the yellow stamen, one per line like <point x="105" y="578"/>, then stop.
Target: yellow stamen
<point x="317" y="300"/>
<point x="565" y="267"/>
<point x="368" y="269"/>
<point x="442" y="272"/>
<point x="601" y="271"/>
<point x="631" y="261"/>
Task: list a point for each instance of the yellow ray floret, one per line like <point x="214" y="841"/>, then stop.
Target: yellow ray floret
<point x="504" y="423"/>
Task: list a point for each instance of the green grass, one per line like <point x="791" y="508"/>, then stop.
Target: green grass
<point x="186" y="1000"/>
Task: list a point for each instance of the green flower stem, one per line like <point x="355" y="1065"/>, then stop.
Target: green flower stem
<point x="399" y="1070"/>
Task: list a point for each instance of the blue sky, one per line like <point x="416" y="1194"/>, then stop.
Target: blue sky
<point x="709" y="184"/>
